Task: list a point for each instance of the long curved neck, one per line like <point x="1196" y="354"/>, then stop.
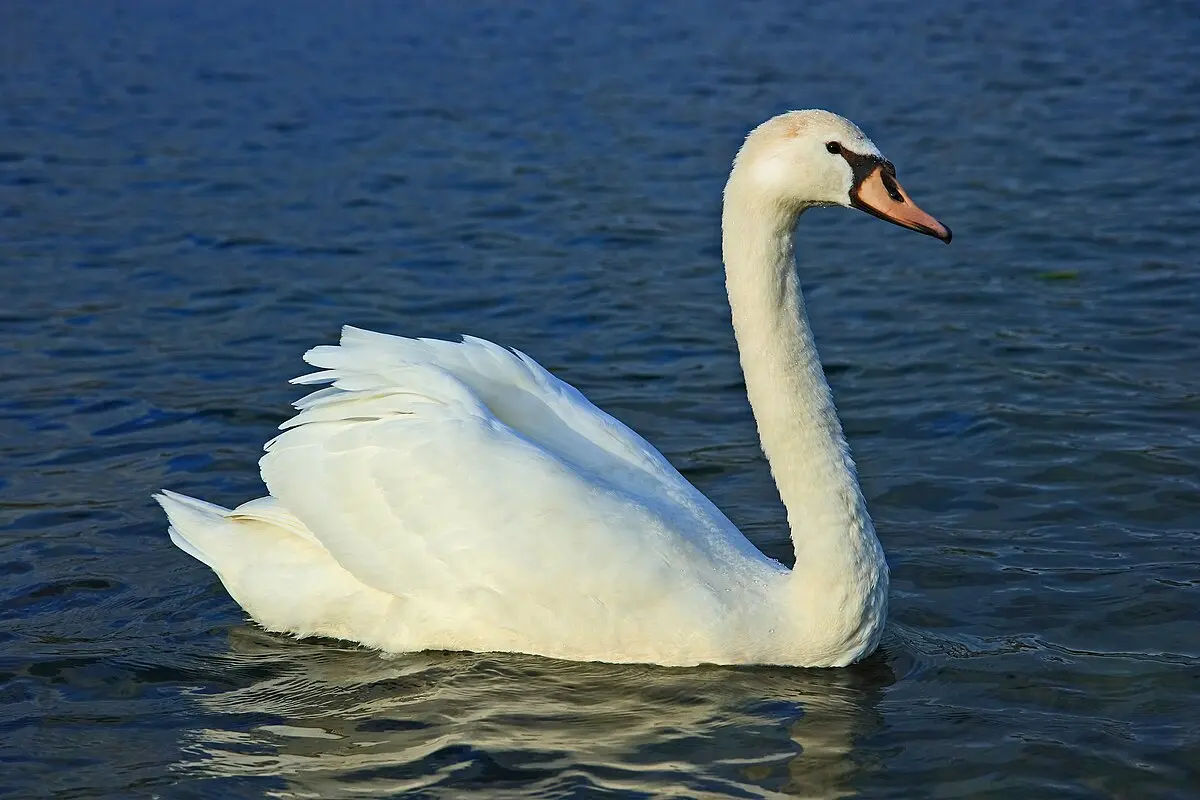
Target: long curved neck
<point x="793" y="407"/>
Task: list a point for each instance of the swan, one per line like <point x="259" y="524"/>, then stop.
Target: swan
<point x="441" y="495"/>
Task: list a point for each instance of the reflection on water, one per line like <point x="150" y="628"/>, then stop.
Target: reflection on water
<point x="326" y="720"/>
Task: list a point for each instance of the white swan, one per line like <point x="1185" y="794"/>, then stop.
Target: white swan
<point x="456" y="496"/>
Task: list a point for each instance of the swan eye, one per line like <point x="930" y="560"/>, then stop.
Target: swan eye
<point x="833" y="147"/>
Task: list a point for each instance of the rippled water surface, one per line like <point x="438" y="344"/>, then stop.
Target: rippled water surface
<point x="193" y="194"/>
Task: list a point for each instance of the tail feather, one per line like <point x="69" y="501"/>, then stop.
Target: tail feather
<point x="279" y="573"/>
<point x="187" y="515"/>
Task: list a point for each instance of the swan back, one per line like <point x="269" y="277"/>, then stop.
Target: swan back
<point x="506" y="512"/>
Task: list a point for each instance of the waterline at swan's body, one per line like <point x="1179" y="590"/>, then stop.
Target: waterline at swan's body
<point x="444" y="495"/>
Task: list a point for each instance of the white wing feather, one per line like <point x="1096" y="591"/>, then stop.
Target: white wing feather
<point x="501" y="506"/>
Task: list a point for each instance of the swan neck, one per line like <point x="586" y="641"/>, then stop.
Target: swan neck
<point x="797" y="422"/>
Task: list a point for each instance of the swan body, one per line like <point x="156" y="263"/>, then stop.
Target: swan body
<point x="457" y="496"/>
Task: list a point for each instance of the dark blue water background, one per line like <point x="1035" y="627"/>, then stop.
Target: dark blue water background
<point x="193" y="194"/>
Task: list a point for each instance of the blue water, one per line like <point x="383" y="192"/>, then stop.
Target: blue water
<point x="193" y="194"/>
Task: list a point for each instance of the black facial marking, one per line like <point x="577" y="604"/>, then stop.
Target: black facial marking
<point x="862" y="165"/>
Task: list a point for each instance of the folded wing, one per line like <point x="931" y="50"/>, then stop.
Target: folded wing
<point x="495" y="498"/>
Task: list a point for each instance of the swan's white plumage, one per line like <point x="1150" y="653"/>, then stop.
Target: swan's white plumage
<point x="474" y="498"/>
<point x="508" y="486"/>
<point x="456" y="495"/>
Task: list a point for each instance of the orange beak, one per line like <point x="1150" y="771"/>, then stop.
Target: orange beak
<point x="880" y="195"/>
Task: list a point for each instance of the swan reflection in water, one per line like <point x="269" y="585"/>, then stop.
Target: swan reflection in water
<point x="315" y="719"/>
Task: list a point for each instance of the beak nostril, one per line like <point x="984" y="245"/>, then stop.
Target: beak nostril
<point x="893" y="190"/>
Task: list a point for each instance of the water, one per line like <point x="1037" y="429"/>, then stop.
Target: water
<point x="192" y="196"/>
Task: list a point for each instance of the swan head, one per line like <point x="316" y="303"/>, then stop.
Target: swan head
<point x="812" y="158"/>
